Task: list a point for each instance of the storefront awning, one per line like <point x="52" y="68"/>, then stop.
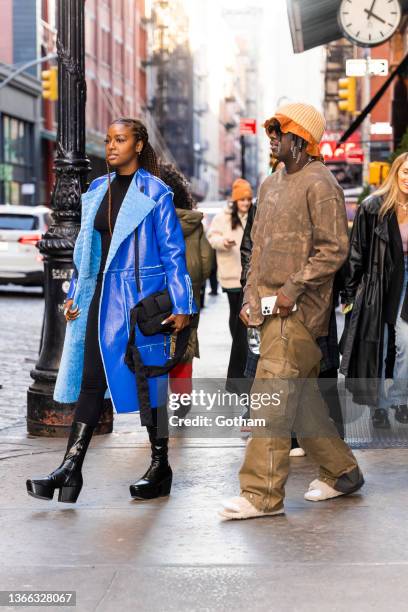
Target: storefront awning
<point x="94" y="144"/>
<point x="314" y="22"/>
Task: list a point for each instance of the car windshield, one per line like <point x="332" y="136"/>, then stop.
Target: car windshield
<point x="18" y="222"/>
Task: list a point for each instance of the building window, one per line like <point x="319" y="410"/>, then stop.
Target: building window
<point x="106" y="47"/>
<point x="91" y="103"/>
<point x="129" y="65"/>
<point x="90" y="35"/>
<point x="119" y="9"/>
<point x="106" y="113"/>
<point x="118" y="56"/>
<point x="17" y="185"/>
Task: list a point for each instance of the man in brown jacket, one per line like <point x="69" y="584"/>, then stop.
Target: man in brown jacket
<point x="299" y="242"/>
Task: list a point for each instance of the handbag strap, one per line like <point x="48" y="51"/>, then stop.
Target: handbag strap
<point x="134" y="361"/>
<point x="133" y="358"/>
<point x="142" y="372"/>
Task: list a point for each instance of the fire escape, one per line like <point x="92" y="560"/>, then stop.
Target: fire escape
<point x="172" y="101"/>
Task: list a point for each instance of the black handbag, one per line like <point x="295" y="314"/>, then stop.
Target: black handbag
<point x="152" y="311"/>
<point x="148" y="315"/>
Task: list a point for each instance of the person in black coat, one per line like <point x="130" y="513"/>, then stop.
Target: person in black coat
<point x="375" y="339"/>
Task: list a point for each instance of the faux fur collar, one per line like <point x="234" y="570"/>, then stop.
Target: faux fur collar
<point x="135" y="207"/>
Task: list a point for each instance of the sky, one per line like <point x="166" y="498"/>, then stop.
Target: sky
<point x="295" y="77"/>
<point x="285" y="76"/>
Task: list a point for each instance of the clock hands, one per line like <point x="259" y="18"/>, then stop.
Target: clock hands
<point x="370" y="11"/>
<point x="371" y="25"/>
<point x="371" y="14"/>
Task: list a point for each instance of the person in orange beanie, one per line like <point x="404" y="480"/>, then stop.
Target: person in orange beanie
<point x="300" y="241"/>
<point x="225" y="236"/>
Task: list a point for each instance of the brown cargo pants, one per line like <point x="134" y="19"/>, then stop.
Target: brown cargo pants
<point x="287" y="371"/>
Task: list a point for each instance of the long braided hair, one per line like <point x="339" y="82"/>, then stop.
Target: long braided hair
<point x="147" y="158"/>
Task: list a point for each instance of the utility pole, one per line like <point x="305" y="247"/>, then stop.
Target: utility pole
<point x="243" y="165"/>
<point x="45" y="417"/>
<point x="366" y="125"/>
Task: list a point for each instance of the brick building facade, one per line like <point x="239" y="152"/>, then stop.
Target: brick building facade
<point x="116" y="52"/>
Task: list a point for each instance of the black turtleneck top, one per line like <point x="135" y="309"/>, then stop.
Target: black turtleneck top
<point x="119" y="187"/>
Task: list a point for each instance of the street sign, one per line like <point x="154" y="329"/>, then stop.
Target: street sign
<point x="28" y="189"/>
<point x="349" y="151"/>
<point x="382" y="128"/>
<point x="247" y="126"/>
<point x="361" y="67"/>
<point x="356" y="67"/>
<point x="378" y="67"/>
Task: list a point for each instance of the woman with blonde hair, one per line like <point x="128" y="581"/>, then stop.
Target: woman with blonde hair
<point x="375" y="295"/>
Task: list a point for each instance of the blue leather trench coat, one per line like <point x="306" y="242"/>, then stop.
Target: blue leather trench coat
<point x="147" y="209"/>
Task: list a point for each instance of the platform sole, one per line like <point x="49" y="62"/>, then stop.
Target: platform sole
<point x="67" y="495"/>
<point x="150" y="492"/>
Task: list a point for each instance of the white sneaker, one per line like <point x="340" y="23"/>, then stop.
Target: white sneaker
<point x="314" y="484"/>
<point x="241" y="508"/>
<point x="297" y="452"/>
<point x="319" y="491"/>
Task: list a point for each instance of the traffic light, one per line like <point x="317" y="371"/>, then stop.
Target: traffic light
<point x="378" y="172"/>
<point x="347" y="94"/>
<point x="50" y="84"/>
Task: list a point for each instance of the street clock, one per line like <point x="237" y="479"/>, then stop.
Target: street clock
<point x="369" y="22"/>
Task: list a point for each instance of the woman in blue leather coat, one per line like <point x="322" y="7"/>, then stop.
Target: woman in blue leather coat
<point x="130" y="245"/>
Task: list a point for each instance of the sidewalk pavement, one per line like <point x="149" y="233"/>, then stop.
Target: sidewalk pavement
<point x="175" y="553"/>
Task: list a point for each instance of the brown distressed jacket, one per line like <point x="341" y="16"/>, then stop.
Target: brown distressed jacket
<point x="299" y="242"/>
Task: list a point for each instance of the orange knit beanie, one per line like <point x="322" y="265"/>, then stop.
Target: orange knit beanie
<point x="304" y="120"/>
<point x="241" y="189"/>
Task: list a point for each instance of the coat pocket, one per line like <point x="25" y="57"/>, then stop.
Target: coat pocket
<point x="372" y="290"/>
<point x="276" y="368"/>
<point x="155" y="354"/>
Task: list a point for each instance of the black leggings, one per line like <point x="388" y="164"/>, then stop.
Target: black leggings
<point x="90" y="402"/>
<point x="234" y="299"/>
<point x="89" y="407"/>
<point x="239" y="349"/>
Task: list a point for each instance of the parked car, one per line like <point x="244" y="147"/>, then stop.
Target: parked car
<point x="21" y="227"/>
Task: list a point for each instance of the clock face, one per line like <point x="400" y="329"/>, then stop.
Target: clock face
<point x="369" y="22"/>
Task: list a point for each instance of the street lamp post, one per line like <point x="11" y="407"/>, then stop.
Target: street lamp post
<point x="46" y="417"/>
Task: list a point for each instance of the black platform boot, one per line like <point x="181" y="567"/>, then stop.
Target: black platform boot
<point x="401" y="413"/>
<point x="380" y="419"/>
<point x="157" y="480"/>
<point x="68" y="477"/>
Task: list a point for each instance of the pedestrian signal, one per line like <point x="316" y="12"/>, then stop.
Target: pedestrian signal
<point x="347" y="94"/>
<point x="50" y="84"/>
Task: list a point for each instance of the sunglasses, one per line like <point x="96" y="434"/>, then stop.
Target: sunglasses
<point x="274" y="127"/>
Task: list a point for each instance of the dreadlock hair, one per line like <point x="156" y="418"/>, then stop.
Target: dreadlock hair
<point x="147" y="157"/>
<point x="297" y="146"/>
<point x="178" y="184"/>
